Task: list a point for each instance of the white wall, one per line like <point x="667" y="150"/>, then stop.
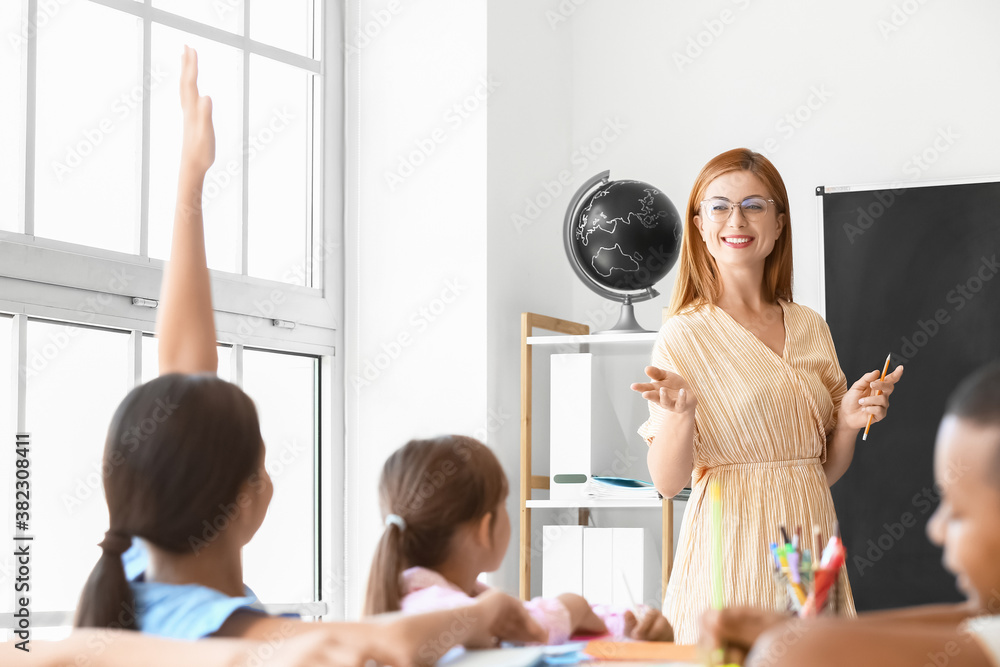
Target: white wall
<point x="889" y="90"/>
<point x="415" y="358"/>
<point x="529" y="140"/>
<point x="886" y="94"/>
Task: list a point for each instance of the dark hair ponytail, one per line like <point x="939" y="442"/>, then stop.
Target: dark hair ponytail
<point x="384" y="592"/>
<point x="107" y="600"/>
<point x="178" y="451"/>
<point x="427" y="490"/>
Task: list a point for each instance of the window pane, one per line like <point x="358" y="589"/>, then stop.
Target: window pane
<point x="76" y="378"/>
<point x="88" y="127"/>
<point x="278" y="562"/>
<point x="10" y="115"/>
<point x="151" y="365"/>
<point x="220" y="76"/>
<point x="278" y="163"/>
<point x="225" y="14"/>
<point x="6" y="471"/>
<point x="287" y="24"/>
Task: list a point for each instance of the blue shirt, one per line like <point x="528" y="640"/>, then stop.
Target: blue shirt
<point x="179" y="611"/>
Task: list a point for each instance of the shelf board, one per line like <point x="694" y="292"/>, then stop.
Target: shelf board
<point x="597" y="503"/>
<point x="593" y="338"/>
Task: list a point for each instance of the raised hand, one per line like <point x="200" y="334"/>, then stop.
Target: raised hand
<point x="860" y="400"/>
<point x="668" y="390"/>
<point x="185" y="322"/>
<point x="198" y="147"/>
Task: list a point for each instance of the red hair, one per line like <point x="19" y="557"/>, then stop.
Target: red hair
<point x="698" y="280"/>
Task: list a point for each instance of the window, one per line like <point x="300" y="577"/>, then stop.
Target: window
<point x="284" y="387"/>
<point x="11" y="170"/>
<point x="87" y="191"/>
<point x="77" y="378"/>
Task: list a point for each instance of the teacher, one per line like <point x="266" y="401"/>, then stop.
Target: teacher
<point x="745" y="388"/>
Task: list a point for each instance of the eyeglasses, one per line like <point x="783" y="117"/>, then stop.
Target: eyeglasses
<point x="719" y="209"/>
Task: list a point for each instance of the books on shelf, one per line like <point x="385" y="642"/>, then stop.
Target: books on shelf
<point x="620" y="488"/>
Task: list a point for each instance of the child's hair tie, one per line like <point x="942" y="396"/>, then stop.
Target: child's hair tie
<point x="395" y="519"/>
<point x="116" y="542"/>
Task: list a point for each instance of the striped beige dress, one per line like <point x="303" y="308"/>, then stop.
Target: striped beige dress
<point x="760" y="428"/>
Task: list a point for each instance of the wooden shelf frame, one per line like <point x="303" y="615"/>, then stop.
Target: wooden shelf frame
<point x="529" y="481"/>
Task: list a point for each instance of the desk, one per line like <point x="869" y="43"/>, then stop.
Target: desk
<point x="613" y="654"/>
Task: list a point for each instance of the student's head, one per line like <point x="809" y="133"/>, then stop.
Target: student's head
<point x="967" y="472"/>
<point x="449" y="492"/>
<point x="734" y="175"/>
<point x="183" y="470"/>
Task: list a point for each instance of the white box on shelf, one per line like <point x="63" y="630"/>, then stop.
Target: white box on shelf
<point x="627" y="555"/>
<point x="570" y="420"/>
<point x="562" y="560"/>
<point x="598" y="565"/>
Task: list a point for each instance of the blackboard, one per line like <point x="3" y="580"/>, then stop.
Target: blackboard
<point x="912" y="270"/>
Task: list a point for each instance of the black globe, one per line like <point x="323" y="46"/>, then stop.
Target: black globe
<point x="626" y="236"/>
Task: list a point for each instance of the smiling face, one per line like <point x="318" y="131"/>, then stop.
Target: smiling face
<point x="738" y="242"/>
<point x="967" y="522"/>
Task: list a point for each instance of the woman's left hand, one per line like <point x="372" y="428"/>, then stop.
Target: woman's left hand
<point x="860" y="401"/>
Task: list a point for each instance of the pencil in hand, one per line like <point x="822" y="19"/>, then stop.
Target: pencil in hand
<point x="885" y="369"/>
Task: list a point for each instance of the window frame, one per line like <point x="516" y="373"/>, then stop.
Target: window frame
<point x="53" y="280"/>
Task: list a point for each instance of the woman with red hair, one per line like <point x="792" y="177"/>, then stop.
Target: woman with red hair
<point x="745" y="387"/>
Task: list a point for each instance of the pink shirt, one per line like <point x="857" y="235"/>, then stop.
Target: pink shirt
<point x="426" y="590"/>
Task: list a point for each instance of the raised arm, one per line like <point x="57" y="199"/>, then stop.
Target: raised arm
<point x="185" y="322"/>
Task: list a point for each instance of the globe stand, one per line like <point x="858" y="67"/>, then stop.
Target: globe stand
<point x="626" y="317"/>
<point x="626" y="321"/>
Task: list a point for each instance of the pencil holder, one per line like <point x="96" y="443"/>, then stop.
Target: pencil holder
<point x="796" y="599"/>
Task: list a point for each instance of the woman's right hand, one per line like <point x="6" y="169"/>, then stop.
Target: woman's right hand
<point x="668" y="390"/>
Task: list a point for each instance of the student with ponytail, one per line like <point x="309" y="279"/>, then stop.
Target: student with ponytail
<point x="184" y="473"/>
<point x="444" y="505"/>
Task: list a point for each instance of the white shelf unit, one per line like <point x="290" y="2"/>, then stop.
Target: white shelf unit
<point x="572" y="333"/>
